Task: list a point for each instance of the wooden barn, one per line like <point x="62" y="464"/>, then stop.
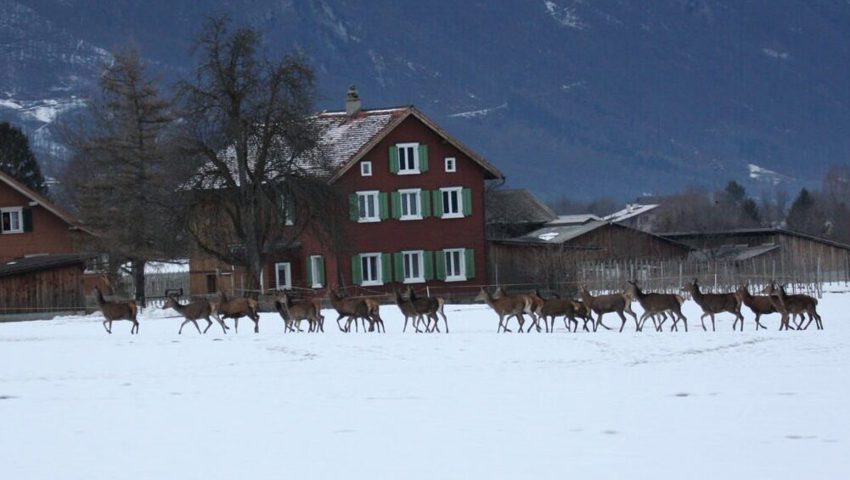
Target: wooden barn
<point x="42" y="283"/>
<point x="549" y="256"/>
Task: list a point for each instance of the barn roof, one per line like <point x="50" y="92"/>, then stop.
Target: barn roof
<point x="36" y="263"/>
<point x="516" y="206"/>
<point x="631" y="210"/>
<point x="554" y="234"/>
<point x="735" y="253"/>
<point x="740" y="232"/>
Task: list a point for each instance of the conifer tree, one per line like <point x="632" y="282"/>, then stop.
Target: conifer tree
<point x="17" y="160"/>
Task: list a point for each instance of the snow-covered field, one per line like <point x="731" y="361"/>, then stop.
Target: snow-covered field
<point x="78" y="403"/>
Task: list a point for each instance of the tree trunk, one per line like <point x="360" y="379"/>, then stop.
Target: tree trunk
<point x="138" y="268"/>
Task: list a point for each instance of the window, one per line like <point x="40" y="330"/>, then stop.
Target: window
<point x="455" y="264"/>
<point x="410" y="204"/>
<point x="283" y="275"/>
<point x="12" y="220"/>
<point x="451" y="165"/>
<point x="368" y="208"/>
<point x="412" y="266"/>
<point x="370" y="269"/>
<point x="316" y="271"/>
<point x="452" y="200"/>
<point x="408" y="158"/>
<point x="366" y="168"/>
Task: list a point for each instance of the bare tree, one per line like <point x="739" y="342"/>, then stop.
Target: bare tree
<point x="122" y="172"/>
<point x="250" y="122"/>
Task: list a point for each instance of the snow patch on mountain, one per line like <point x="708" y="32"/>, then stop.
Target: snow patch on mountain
<point x="565" y="16"/>
<point x="775" y="54"/>
<point x="46" y="111"/>
<point x="479" y="113"/>
<point x="763" y="174"/>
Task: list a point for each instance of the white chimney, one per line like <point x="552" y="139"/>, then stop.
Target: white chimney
<point x="352" y="101"/>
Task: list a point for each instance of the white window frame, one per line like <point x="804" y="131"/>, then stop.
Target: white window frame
<point x="420" y="256"/>
<point x="366" y="168"/>
<point x="288" y="268"/>
<point x="378" y="280"/>
<point x="376" y="198"/>
<point x="417" y="199"/>
<point x="457" y="191"/>
<point x="450" y="164"/>
<point x="402" y="170"/>
<point x="461" y="274"/>
<point x="10" y="211"/>
<point x="315" y="271"/>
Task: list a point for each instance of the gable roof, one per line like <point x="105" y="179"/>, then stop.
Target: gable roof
<point x="575" y="219"/>
<point x="39" y="199"/>
<point x="555" y="234"/>
<point x="631" y="210"/>
<point x="36" y="263"/>
<point x="754" y="231"/>
<point x="347" y="138"/>
<point x="518" y="205"/>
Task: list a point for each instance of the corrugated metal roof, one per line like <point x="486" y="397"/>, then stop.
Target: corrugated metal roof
<point x="20" y="266"/>
<point x="558" y="234"/>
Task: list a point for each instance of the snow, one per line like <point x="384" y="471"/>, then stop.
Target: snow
<point x="775" y="54"/>
<point x="565" y="16"/>
<point x="761" y="173"/>
<point x="479" y="113"/>
<point x="78" y="403"/>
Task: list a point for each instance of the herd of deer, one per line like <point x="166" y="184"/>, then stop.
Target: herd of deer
<point x="365" y="310"/>
<point x="656" y="306"/>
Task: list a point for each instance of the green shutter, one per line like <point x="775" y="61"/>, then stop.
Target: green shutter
<point x="423" y="158"/>
<point x="356" y="270"/>
<point x="384" y="205"/>
<point x="309" y="271"/>
<point x="428" y="262"/>
<point x="393" y="159"/>
<point x="469" y="257"/>
<point x="396" y="204"/>
<point x="467" y="202"/>
<point x="425" y="203"/>
<point x="386" y="268"/>
<point x="438" y="203"/>
<point x="441" y="264"/>
<point x="322" y="271"/>
<point x="27" y="214"/>
<point x="353" y="207"/>
<point x="398" y="264"/>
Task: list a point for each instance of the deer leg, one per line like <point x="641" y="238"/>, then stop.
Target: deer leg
<point x="434" y="317"/>
<point x="135" y="327"/>
<point x="521" y="320"/>
<point x="338" y="324"/>
<point x="108" y="329"/>
<point x="623" y="318"/>
<point x="180" y="331"/>
<point x="209" y="324"/>
<point x="758" y="323"/>
<point x="712" y="322"/>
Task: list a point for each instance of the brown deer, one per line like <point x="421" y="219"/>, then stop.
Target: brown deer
<point x="713" y="303"/>
<point x="533" y="302"/>
<point x="657" y="303"/>
<point x="192" y="312"/>
<point x="375" y="321"/>
<point x="583" y="313"/>
<point x="349" y="308"/>
<point x="758" y="304"/>
<point x="293" y="312"/>
<point x="602" y="304"/>
<point x="236" y="309"/>
<point x="557" y="307"/>
<point x="506" y="306"/>
<point x="794" y="305"/>
<point x="407" y="309"/>
<point x="428" y="307"/>
<point x="116" y="311"/>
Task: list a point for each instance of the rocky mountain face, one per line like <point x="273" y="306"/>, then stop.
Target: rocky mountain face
<point x="577" y="97"/>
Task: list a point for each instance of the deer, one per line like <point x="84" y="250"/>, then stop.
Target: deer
<point x="117" y="311"/>
<point x="408" y="310"/>
<point x="533" y="302"/>
<point x="293" y="312"/>
<point x="602" y="304"/>
<point x="236" y="309"/>
<point x="375" y="321"/>
<point x="713" y="303"/>
<point x="583" y="313"/>
<point x="353" y="308"/>
<point x="506" y="306"/>
<point x="556" y="307"/>
<point x="428" y="307"/>
<point x="192" y="312"/>
<point x="657" y="303"/>
<point x="758" y="304"/>
<point x="795" y="305"/>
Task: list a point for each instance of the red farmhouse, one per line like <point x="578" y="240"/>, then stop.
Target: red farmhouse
<point x="416" y="210"/>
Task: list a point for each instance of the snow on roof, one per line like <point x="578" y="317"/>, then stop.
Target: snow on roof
<point x="576" y="219"/>
<point x="344" y="136"/>
<point x="631" y="210"/>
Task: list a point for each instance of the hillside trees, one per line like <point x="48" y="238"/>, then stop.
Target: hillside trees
<point x="249" y="121"/>
<point x="17" y="160"/>
<point x="123" y="174"/>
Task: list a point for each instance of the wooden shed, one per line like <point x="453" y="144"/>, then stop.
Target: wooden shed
<point x="42" y="283"/>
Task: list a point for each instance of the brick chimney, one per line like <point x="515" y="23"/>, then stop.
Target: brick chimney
<point x="352" y="101"/>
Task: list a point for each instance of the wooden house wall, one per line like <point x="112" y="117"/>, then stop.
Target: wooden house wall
<point x="47" y="290"/>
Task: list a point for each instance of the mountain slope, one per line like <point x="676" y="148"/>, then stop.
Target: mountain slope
<point x="609" y="97"/>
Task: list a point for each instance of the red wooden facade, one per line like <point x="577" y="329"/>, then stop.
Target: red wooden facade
<point x="32" y="225"/>
<point x="420" y="226"/>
